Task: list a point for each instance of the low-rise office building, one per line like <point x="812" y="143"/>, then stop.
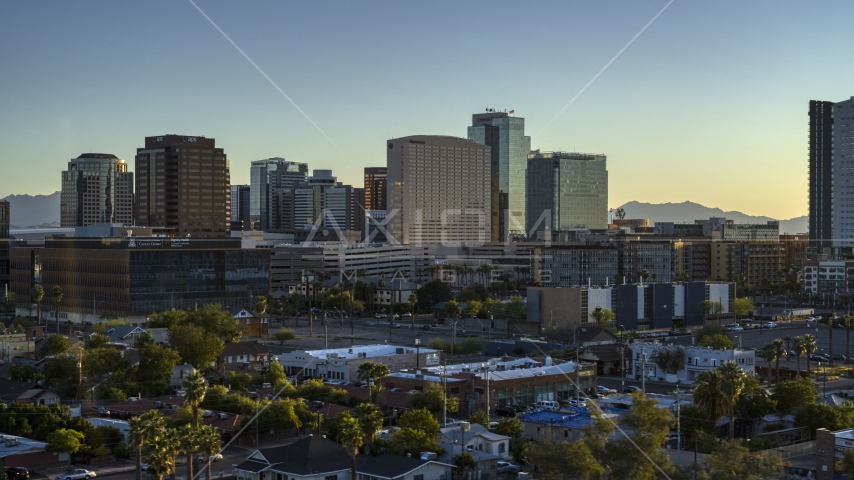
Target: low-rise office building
<point x="132" y="277"/>
<point x="343" y="363"/>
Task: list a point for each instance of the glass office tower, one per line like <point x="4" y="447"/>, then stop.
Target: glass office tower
<point x="285" y="175"/>
<point x="570" y="188"/>
<point x="510" y="148"/>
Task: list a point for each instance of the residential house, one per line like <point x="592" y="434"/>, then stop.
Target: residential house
<point x="245" y="355"/>
<point x="16" y="345"/>
<point x="487" y="463"/>
<point x="319" y="458"/>
<point x="180" y="373"/>
<point x="395" y="290"/>
<point x="696" y="360"/>
<point x="477" y="438"/>
<point x="607" y="357"/>
<point x="14" y="391"/>
<point x="25" y="452"/>
<point x="252" y="325"/>
<point x="587" y="336"/>
<point x="126" y="334"/>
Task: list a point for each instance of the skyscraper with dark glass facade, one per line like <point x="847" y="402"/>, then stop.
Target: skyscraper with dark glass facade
<point x="820" y="173"/>
<point x="510" y="148"/>
<point x="272" y="182"/>
<point x="96" y="188"/>
<point x="571" y="189"/>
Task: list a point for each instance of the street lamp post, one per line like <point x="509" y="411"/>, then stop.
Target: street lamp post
<point x="418" y="350"/>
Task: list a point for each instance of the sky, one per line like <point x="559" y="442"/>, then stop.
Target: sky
<point x="708" y="104"/>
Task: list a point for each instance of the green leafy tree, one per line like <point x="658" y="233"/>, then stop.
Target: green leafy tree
<point x="197" y="346"/>
<point x="514" y="312"/>
<point x="817" y="416"/>
<point x="283" y="335"/>
<point x="432" y="293"/>
<point x="411" y="441"/>
<point x="155" y="369"/>
<point x="55" y="345"/>
<point x="464" y="463"/>
<point x="602" y="316"/>
<point x="102" y="361"/>
<point x="276" y="377"/>
<point x="480" y="417"/>
<point x="791" y="395"/>
<point x="564" y="461"/>
<point x="717" y="342"/>
<point x="167" y="319"/>
<point x="371" y="372"/>
<point x="509" y="427"/>
<point x="66" y="441"/>
<point x="144" y="430"/>
<point x="809" y="346"/>
<point x="473" y="308"/>
<point x="649" y="428"/>
<point x="754" y="401"/>
<point x="731" y="460"/>
<point x="25" y="373"/>
<point x="421" y="420"/>
<point x="214" y="319"/>
<point x="433" y="399"/>
<point x="452" y="308"/>
<point x="161" y="457"/>
<point x="742" y="307"/>
<point x="848" y="463"/>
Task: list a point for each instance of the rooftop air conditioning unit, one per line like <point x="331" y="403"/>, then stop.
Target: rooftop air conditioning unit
<point x="419" y="376"/>
<point x="363" y="355"/>
<point x="11" y="442"/>
<point x="399" y="350"/>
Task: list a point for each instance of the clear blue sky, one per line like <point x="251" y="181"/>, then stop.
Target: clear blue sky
<point x="708" y="105"/>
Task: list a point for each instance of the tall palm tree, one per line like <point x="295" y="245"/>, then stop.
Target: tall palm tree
<point x="38" y="294"/>
<point x="780" y="351"/>
<point x="56" y="293"/>
<point x="370" y="420"/>
<point x="799" y="350"/>
<point x="412" y="301"/>
<point x="709" y="396"/>
<point x="809" y="347"/>
<point x="161" y="457"/>
<point x="734" y="380"/>
<point x="208" y="445"/>
<point x="766" y="352"/>
<point x="848" y="323"/>
<point x="136" y="439"/>
<point x="185" y="438"/>
<point x="351" y="439"/>
<point x="829" y="321"/>
<point x="788" y="341"/>
<point x="196" y="387"/>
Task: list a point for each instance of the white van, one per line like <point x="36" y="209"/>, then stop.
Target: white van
<point x="548" y="405"/>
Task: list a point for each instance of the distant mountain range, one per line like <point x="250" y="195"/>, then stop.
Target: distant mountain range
<point x="33" y="211"/>
<point x="687" y="212"/>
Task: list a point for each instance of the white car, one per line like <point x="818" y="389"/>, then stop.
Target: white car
<point x="215" y="458"/>
<point x="77" y="474"/>
<point x="507" y="467"/>
<point x="769" y="325"/>
<point x="735" y="328"/>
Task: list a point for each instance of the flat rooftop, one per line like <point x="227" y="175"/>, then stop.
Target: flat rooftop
<point x="365" y="351"/>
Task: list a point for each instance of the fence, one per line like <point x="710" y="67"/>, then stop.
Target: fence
<point x="792" y="450"/>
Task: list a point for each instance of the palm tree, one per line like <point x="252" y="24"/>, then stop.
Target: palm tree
<point x="56" y="293"/>
<point x="829" y="321"/>
<point x="780" y="351"/>
<point x="38" y="294"/>
<point x="351" y="439"/>
<point x="766" y="352"/>
<point x="412" y="300"/>
<point x="161" y="457"/>
<point x="799" y="350"/>
<point x="185" y="440"/>
<point x="196" y="387"/>
<point x="370" y="419"/>
<point x="136" y="438"/>
<point x="848" y="323"/>
<point x="788" y="341"/>
<point x="208" y="445"/>
<point x="709" y="396"/>
<point x="809" y="347"/>
<point x="734" y="380"/>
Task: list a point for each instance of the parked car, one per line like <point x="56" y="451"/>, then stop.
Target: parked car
<point x="603" y="389"/>
<point x="518" y="408"/>
<point x="507" y="467"/>
<point x="77" y="474"/>
<point x="427" y="327"/>
<point x="18" y="473"/>
<point x="505" y="412"/>
<point x="577" y="403"/>
<point x="769" y="325"/>
<point x="818" y="358"/>
<point x="214" y="458"/>
<point x="632" y="389"/>
<point x="839" y="357"/>
<point x="370" y="324"/>
<point x="405" y="314"/>
<point x="735" y="328"/>
<point x="838" y="325"/>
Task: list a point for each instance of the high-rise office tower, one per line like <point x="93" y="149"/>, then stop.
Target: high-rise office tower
<point x="842" y="168"/>
<point x="266" y="177"/>
<point x="183" y="182"/>
<point x="96" y="188"/>
<point x="240" y="217"/>
<point x="510" y="148"/>
<point x="325" y="202"/>
<point x="438" y="190"/>
<point x="375" y="188"/>
<point x="821" y="173"/>
<point x="4" y="248"/>
<point x="570" y="188"/>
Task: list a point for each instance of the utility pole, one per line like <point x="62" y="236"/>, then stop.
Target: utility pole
<point x="444" y="394"/>
<point x="678" y="423"/>
<point x="486" y="369"/>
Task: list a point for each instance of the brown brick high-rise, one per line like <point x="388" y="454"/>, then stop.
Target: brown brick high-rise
<point x="183" y="182"/>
